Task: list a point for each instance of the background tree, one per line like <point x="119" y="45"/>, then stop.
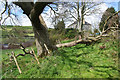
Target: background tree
<point x="74" y="11"/>
<point x="109" y="12"/>
<point x="78" y="10"/>
<point x="59" y="32"/>
<point x="60" y="26"/>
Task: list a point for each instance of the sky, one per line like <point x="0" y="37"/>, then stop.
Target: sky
<point x="24" y="21"/>
<point x="92" y="19"/>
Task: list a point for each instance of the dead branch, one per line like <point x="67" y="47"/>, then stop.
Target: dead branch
<point x="25" y="52"/>
<point x="13" y="55"/>
<point x="35" y="56"/>
<point x="89" y="39"/>
<point x="106" y="21"/>
<point x="46" y="48"/>
<point x="70" y="44"/>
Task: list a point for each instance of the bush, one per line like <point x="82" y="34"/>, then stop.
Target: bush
<point x="70" y="33"/>
<point x="57" y="37"/>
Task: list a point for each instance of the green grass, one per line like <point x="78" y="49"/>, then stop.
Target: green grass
<point x="65" y="41"/>
<point x="80" y="61"/>
<point x="32" y="34"/>
<point x="26" y="30"/>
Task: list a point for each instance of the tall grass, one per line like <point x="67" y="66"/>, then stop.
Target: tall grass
<point x="80" y="61"/>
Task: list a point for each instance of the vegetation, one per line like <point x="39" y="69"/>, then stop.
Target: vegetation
<point x="57" y="37"/>
<point x="60" y="26"/>
<point x="17" y="34"/>
<point x="80" y="61"/>
<point x="97" y="57"/>
<point x="107" y="13"/>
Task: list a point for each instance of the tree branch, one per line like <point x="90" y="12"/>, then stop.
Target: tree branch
<point x="52" y="9"/>
<point x="25" y="6"/>
<point x="106" y="21"/>
<point x="23" y="48"/>
<point x="6" y="5"/>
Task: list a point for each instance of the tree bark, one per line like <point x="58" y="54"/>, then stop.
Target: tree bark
<point x="33" y="11"/>
<point x="41" y="38"/>
<point x="82" y="18"/>
<point x="40" y="29"/>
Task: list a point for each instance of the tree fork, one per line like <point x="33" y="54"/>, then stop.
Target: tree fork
<point x="33" y="11"/>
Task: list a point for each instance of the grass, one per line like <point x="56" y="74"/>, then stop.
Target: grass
<point x="31" y="34"/>
<point x="80" y="61"/>
<point x="10" y="30"/>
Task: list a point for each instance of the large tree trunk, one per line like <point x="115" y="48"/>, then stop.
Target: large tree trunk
<point x="41" y="37"/>
<point x="41" y="34"/>
<point x="40" y="29"/>
<point x="33" y="11"/>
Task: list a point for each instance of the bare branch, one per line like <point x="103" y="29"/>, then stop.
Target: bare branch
<point x="23" y="48"/>
<point x="52" y="9"/>
<point x="73" y="16"/>
<point x="106" y="21"/>
<point x="6" y="5"/>
<point x="94" y="5"/>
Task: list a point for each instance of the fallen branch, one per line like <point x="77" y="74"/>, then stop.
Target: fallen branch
<point x="108" y="29"/>
<point x="106" y="21"/>
<point x="68" y="44"/>
<point x="73" y="43"/>
<point x="35" y="56"/>
<point x="13" y="55"/>
<point x="46" y="48"/>
<point x="89" y="39"/>
<point x="23" y="48"/>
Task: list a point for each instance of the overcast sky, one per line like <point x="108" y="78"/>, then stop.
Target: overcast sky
<point x="24" y="21"/>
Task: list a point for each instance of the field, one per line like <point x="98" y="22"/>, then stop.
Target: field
<point x="17" y="34"/>
<point x="80" y="61"/>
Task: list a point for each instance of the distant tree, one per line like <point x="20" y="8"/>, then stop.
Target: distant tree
<point x="79" y="10"/>
<point x="109" y="12"/>
<point x="60" y="26"/>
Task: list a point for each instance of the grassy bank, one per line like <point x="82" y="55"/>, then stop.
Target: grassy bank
<point x="80" y="61"/>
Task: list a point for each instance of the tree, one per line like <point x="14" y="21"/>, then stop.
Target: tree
<point x="109" y="12"/>
<point x="58" y="12"/>
<point x="78" y="10"/>
<point x="60" y="26"/>
<point x="33" y="11"/>
<point x="75" y="10"/>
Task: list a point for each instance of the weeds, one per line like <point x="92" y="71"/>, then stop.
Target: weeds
<point x="80" y="61"/>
